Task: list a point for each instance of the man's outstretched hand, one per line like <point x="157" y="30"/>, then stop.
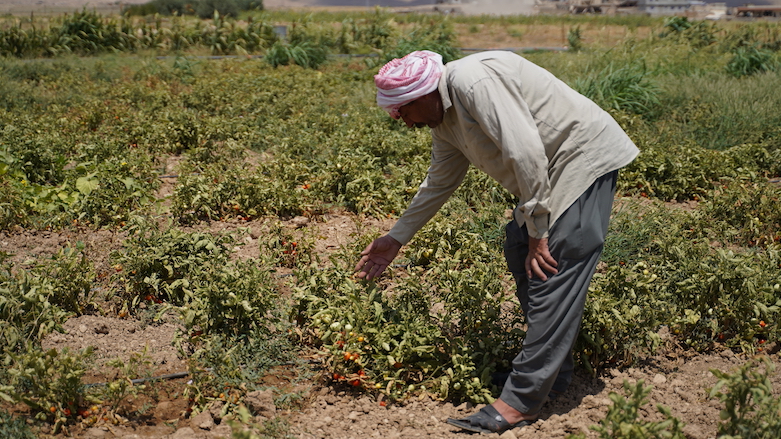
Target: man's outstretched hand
<point x="376" y="257"/>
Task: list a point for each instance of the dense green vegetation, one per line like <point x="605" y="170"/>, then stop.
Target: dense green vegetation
<point x="83" y="143"/>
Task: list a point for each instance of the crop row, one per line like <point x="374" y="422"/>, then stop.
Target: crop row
<point x="88" y="33"/>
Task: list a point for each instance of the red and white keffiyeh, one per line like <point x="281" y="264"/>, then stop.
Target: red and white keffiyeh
<point x="403" y="80"/>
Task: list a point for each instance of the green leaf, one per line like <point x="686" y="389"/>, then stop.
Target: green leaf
<point x="129" y="182"/>
<point x="87" y="184"/>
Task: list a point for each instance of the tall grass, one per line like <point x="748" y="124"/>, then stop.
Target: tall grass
<point x="717" y="111"/>
<point x="621" y="88"/>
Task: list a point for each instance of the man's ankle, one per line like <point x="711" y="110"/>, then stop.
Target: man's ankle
<point x="509" y="413"/>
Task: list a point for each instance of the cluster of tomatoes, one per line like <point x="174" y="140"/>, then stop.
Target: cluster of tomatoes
<point x="761" y="339"/>
<point x="289" y="247"/>
<point x="152" y="298"/>
<point x="239" y="214"/>
<point x="352" y="358"/>
<point x="289" y="252"/>
<point x="89" y="414"/>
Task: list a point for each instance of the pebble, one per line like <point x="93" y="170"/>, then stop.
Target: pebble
<point x="354" y="415"/>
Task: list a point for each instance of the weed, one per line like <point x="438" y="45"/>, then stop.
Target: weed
<point x="14" y="428"/>
<point x="751" y="411"/>
<point x="625" y="88"/>
<point x="225" y="368"/>
<point x="574" y="39"/>
<point x="304" y="54"/>
<point x="621" y="421"/>
<point x="750" y="60"/>
<point x="118" y="390"/>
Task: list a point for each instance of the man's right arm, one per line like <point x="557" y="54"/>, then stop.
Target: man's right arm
<point x="447" y="171"/>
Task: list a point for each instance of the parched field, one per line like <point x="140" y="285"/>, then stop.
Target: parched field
<point x="178" y="232"/>
<point x="680" y="378"/>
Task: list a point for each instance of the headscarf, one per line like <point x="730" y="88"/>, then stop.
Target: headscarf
<point x="403" y="80"/>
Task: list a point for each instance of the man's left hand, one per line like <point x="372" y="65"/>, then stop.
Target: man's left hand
<point x="539" y="260"/>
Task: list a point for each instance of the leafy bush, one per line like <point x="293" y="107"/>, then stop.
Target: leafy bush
<point x="676" y="24"/>
<point x="435" y="332"/>
<point x="751" y="410"/>
<point x="745" y="213"/>
<point x="698" y="34"/>
<point x="750" y="60"/>
<point x="574" y="39"/>
<point x="14" y="428"/>
<point x="157" y="264"/>
<point x="439" y="38"/>
<point x="201" y="8"/>
<point x="28" y="303"/>
<point x="48" y="382"/>
<point x="88" y="33"/>
<point x="304" y="54"/>
<point x="232" y="300"/>
<point x="621" y="421"/>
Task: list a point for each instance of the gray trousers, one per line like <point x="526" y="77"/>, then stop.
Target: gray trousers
<point x="554" y="308"/>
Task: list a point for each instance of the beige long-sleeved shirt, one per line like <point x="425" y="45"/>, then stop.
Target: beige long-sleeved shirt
<point x="541" y="140"/>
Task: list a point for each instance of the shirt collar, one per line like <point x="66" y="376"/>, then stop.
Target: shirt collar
<point x="443" y="90"/>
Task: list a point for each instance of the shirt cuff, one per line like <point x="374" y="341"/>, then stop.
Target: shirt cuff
<point x="537" y="226"/>
<point x="401" y="233"/>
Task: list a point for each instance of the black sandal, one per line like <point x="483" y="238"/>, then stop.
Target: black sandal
<point x="487" y="420"/>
